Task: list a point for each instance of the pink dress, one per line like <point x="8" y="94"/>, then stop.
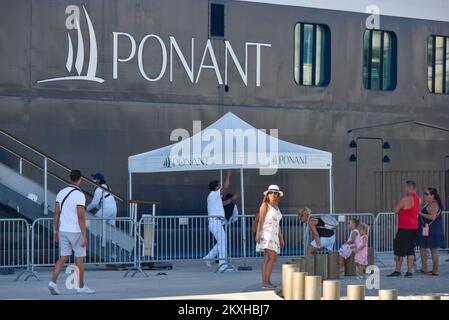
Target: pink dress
<point x="361" y="256"/>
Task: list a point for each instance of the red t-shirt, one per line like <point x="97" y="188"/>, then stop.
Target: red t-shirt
<point x="408" y="218"/>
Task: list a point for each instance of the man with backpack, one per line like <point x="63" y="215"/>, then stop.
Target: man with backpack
<point x="322" y="230"/>
<point x="231" y="210"/>
<point x="70" y="231"/>
<point x="216" y="213"/>
<point x="103" y="203"/>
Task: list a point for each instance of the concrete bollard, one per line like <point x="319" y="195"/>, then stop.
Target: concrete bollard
<point x="333" y="267"/>
<point x="431" y="297"/>
<point x="321" y="265"/>
<point x="309" y="265"/>
<point x="299" y="282"/>
<point x="301" y="264"/>
<point x="331" y="290"/>
<point x="287" y="278"/>
<point x="388" y="294"/>
<point x="370" y="256"/>
<point x="355" y="292"/>
<point x="350" y="268"/>
<point x="312" y="288"/>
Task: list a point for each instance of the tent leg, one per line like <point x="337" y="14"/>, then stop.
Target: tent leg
<point x="331" y="192"/>
<point x="244" y="240"/>
<point x="130" y="192"/>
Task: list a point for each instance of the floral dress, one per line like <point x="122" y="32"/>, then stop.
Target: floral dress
<point x="361" y="256"/>
<point x="269" y="238"/>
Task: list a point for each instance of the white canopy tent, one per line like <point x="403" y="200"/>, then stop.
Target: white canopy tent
<point x="231" y="143"/>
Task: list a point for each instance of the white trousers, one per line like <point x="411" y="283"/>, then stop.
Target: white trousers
<point x="107" y="214"/>
<point x="216" y="228"/>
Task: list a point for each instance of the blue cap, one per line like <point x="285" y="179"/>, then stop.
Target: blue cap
<point x="98" y="176"/>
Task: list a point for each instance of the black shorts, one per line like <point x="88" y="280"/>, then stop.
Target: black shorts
<point x="405" y="242"/>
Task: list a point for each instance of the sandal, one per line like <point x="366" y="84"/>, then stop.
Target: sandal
<point x="433" y="274"/>
<point x="424" y="272"/>
<point x="268" y="287"/>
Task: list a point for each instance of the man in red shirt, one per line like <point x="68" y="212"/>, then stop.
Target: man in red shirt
<point x="405" y="241"/>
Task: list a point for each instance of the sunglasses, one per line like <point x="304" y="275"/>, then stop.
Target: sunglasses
<point x="427" y="193"/>
<point x="272" y="192"/>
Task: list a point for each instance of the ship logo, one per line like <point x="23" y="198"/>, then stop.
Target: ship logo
<point x="167" y="163"/>
<point x="79" y="61"/>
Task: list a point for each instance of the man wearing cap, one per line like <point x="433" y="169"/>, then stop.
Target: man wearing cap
<point x="103" y="203"/>
<point x="215" y="210"/>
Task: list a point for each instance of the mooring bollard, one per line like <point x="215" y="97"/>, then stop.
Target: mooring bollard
<point x="388" y="294"/>
<point x="321" y="266"/>
<point x="355" y="292"/>
<point x="301" y="264"/>
<point x="350" y="268"/>
<point x="299" y="283"/>
<point x="287" y="288"/>
<point x="312" y="288"/>
<point x="309" y="263"/>
<point x="287" y="278"/>
<point x="431" y="297"/>
<point x="331" y="290"/>
<point x="333" y="270"/>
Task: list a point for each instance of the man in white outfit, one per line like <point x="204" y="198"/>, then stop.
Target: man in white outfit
<point x="103" y="203"/>
<point x="216" y="212"/>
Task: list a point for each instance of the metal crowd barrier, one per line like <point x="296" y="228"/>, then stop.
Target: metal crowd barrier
<point x="342" y="232"/>
<point x="108" y="242"/>
<point x="14" y="243"/>
<point x="386" y="225"/>
<point x="242" y="239"/>
<point x="171" y="238"/>
<point x="174" y="238"/>
<point x="446" y="228"/>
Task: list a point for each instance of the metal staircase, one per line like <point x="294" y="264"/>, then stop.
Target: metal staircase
<point x="33" y="201"/>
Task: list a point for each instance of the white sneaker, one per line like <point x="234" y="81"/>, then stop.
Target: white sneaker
<point x="53" y="288"/>
<point x="85" y="290"/>
<point x="208" y="262"/>
<point x="224" y="267"/>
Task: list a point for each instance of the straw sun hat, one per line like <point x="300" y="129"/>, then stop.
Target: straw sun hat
<point x="274" y="188"/>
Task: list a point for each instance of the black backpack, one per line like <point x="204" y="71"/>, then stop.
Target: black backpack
<point x="229" y="209"/>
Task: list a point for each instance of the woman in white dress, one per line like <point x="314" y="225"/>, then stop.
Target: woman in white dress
<point x="269" y="238"/>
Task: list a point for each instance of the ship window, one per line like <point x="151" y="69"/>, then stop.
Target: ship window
<point x="438" y="64"/>
<point x="379" y="60"/>
<point x="311" y="54"/>
<point x="216" y="20"/>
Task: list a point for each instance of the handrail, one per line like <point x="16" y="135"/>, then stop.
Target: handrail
<point x="143" y="202"/>
<point x="60" y="164"/>
<point x="40" y="168"/>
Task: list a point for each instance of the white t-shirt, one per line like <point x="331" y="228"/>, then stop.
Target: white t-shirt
<point x="215" y="204"/>
<point x="69" y="214"/>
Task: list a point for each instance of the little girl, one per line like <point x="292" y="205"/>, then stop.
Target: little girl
<point x="361" y="251"/>
<point x="348" y="248"/>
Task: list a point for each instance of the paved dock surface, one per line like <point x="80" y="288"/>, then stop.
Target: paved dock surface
<point x="195" y="280"/>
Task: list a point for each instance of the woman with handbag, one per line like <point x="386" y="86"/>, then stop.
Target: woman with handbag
<point x="431" y="234"/>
